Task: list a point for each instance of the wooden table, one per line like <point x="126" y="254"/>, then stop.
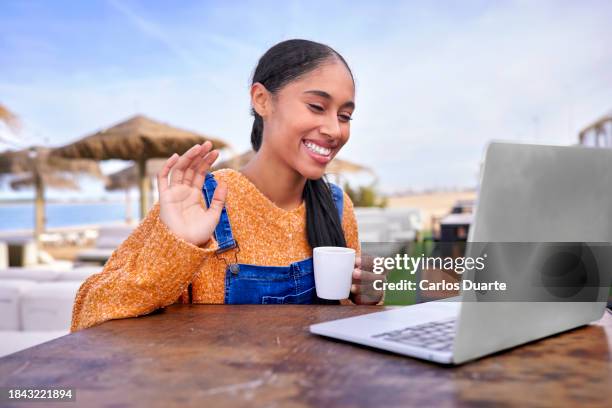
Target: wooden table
<point x="220" y="356"/>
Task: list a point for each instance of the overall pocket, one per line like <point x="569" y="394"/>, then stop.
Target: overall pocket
<point x="255" y="284"/>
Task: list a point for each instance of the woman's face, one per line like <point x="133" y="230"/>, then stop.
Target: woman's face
<point x="309" y="119"/>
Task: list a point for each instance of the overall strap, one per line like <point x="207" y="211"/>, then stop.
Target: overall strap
<point x="223" y="231"/>
<point x="338" y="197"/>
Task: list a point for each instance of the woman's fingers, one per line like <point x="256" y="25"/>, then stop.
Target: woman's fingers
<point x="362" y="289"/>
<point x="178" y="170"/>
<point x="366" y="276"/>
<point x="188" y="174"/>
<point x="162" y="176"/>
<point x="208" y="161"/>
<point x="191" y="174"/>
<point x="203" y="167"/>
<point x="207" y="147"/>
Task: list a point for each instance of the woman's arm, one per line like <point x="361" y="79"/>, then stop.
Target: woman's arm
<point x="152" y="268"/>
<point x="149" y="270"/>
<point x="349" y="225"/>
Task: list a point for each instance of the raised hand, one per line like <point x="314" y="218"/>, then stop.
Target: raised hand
<point x="180" y="198"/>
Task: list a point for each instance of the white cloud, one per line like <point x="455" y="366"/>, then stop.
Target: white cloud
<point x="521" y="71"/>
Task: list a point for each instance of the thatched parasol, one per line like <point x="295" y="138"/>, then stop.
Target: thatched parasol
<point x="127" y="178"/>
<point x="340" y="166"/>
<point x="139" y="139"/>
<point x="235" y="162"/>
<point x="8" y="117"/>
<point x="336" y="166"/>
<point x="37" y="168"/>
<point x="599" y="131"/>
<point x="48" y="180"/>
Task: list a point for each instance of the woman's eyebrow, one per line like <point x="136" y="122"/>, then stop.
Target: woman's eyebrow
<point x="323" y="94"/>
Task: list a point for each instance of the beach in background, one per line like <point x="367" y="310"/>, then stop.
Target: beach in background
<point x="431" y="204"/>
<point x="19" y="216"/>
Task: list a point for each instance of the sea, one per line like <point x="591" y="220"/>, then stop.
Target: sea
<point x="21" y="216"/>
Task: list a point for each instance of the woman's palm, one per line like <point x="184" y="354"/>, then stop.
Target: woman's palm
<point x="180" y="199"/>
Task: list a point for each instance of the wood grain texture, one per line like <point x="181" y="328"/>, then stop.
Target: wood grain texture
<point x="220" y="355"/>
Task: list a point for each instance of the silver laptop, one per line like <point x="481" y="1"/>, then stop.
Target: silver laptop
<point x="528" y="193"/>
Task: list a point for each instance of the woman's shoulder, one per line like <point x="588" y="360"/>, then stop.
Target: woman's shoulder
<point x="341" y="194"/>
<point x="229" y="176"/>
<point x="237" y="183"/>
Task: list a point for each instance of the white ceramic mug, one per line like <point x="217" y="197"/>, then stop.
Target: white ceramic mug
<point x="333" y="271"/>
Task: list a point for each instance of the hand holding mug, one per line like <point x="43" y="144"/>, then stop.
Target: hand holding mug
<point x="362" y="288"/>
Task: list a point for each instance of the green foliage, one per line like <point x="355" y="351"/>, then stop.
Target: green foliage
<point x="407" y="297"/>
<point x="365" y="196"/>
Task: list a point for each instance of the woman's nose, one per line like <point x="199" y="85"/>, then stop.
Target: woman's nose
<point x="331" y="127"/>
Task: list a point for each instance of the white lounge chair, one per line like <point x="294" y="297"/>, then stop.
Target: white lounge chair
<point x="387" y="224"/>
<point x="11" y="291"/>
<point x="109" y="238"/>
<point x="48" y="305"/>
<point x="79" y="274"/>
<point x="4" y="256"/>
<point x="36" y="274"/>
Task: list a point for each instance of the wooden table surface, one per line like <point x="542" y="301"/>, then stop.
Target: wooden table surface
<point x="220" y="356"/>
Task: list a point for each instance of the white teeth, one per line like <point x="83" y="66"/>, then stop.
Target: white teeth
<point x="323" y="151"/>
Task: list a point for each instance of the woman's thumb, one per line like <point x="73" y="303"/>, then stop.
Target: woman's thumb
<point x="218" y="200"/>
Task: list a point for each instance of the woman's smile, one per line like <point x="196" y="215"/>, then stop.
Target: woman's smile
<point x="317" y="151"/>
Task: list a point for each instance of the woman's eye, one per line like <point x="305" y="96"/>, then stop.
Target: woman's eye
<point x="319" y="109"/>
<point x="316" y="107"/>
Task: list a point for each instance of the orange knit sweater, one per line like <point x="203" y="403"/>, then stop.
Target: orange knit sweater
<point x="153" y="267"/>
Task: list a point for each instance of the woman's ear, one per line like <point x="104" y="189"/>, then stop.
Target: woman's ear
<point x="260" y="99"/>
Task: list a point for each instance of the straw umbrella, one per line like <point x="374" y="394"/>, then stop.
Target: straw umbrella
<point x="115" y="182"/>
<point x="139" y="139"/>
<point x="598" y="133"/>
<point x="37" y="168"/>
<point x="127" y="178"/>
<point x="8" y="117"/>
<point x="235" y="162"/>
<point x="11" y="121"/>
<point x="48" y="180"/>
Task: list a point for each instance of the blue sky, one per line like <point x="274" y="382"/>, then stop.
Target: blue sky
<point x="435" y="80"/>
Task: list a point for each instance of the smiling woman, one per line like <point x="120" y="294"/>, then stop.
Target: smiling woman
<point x="303" y="98"/>
<point x="245" y="236"/>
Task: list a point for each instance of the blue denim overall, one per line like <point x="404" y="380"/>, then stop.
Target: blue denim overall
<point x="249" y="284"/>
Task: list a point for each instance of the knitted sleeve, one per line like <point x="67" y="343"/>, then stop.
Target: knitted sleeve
<point x="149" y="270"/>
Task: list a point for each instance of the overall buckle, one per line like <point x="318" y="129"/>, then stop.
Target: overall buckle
<point x="233" y="267"/>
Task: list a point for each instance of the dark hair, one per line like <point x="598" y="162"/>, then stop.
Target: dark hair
<point x="283" y="63"/>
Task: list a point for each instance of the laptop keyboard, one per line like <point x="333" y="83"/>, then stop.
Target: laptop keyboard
<point x="431" y="335"/>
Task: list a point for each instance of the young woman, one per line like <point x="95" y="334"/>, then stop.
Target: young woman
<point x="245" y="236"/>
